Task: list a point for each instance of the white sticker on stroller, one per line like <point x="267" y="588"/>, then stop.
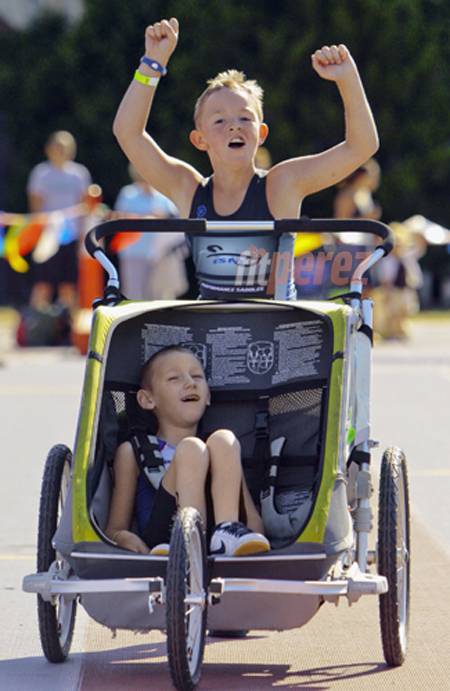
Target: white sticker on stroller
<point x="157" y="336"/>
<point x="299" y="352"/>
<point x="235" y="354"/>
<point x="228" y="348"/>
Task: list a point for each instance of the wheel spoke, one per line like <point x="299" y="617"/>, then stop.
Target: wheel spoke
<point x="193" y="637"/>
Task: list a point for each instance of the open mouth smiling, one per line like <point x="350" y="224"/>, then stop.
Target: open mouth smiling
<point x="192" y="398"/>
<point x="236" y="143"/>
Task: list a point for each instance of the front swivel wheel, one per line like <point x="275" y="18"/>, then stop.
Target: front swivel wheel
<point x="186" y="595"/>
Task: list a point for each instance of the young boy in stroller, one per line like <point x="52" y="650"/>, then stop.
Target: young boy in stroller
<point x="207" y="475"/>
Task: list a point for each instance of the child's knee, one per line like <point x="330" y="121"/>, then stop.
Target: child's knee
<point x="192" y="450"/>
<point x="223" y="440"/>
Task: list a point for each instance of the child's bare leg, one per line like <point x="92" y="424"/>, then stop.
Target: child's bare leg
<point x="186" y="475"/>
<point x="254" y="520"/>
<point x="226" y="474"/>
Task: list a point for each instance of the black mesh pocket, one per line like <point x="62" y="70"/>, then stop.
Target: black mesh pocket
<point x="130" y="416"/>
<point x="308" y="401"/>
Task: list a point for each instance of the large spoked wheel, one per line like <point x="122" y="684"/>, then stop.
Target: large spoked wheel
<point x="56" y="619"/>
<point x="394" y="555"/>
<point x="186" y="595"/>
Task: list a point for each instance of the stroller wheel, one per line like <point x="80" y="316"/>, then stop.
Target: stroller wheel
<point x="186" y="599"/>
<point x="56" y="620"/>
<point x="394" y="555"/>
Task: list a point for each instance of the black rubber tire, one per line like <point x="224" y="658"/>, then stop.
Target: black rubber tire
<point x="394" y="555"/>
<point x="188" y="537"/>
<point x="55" y="640"/>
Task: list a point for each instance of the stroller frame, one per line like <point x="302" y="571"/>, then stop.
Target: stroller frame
<point x="61" y="580"/>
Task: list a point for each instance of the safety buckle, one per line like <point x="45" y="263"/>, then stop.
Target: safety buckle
<point x="262" y="424"/>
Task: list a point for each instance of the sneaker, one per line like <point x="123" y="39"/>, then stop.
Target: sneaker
<point x="233" y="539"/>
<point x="161" y="550"/>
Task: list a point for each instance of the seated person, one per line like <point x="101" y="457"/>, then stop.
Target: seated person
<point x="197" y="473"/>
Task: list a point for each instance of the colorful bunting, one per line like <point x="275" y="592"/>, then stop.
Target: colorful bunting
<point x="29" y="236"/>
<point x="11" y="249"/>
<point x="40" y="235"/>
<point x="49" y="241"/>
<point x="121" y="240"/>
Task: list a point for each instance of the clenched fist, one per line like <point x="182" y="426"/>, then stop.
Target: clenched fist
<point x="333" y="62"/>
<point x="161" y="40"/>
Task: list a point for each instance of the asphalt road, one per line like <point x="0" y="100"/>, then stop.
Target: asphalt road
<point x="339" y="648"/>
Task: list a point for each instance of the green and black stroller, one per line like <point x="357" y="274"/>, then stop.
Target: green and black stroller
<point x="292" y="380"/>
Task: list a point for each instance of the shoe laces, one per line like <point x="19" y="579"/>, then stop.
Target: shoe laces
<point x="234" y="528"/>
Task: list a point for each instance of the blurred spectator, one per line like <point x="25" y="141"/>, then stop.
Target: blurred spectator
<point x="56" y="184"/>
<point x="355" y="194"/>
<point x="354" y="200"/>
<point x="399" y="279"/>
<point x="152" y="267"/>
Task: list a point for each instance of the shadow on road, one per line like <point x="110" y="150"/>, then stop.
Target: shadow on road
<point x="132" y="668"/>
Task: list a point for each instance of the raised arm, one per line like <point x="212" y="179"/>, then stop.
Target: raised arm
<point x="305" y="175"/>
<point x="172" y="177"/>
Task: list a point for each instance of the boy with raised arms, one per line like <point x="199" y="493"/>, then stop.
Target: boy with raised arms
<point x="229" y="127"/>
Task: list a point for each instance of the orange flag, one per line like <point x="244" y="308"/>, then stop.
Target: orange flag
<point x="121" y="240"/>
<point x="29" y="236"/>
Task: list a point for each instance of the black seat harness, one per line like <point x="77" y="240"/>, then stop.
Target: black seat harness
<point x="148" y="457"/>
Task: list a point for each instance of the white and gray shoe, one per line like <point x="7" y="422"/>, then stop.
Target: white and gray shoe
<point x="233" y="539"/>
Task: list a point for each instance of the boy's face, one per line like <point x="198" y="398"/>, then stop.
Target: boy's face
<point x="229" y="128"/>
<point x="177" y="391"/>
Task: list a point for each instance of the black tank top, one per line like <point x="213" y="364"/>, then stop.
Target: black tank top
<point x="253" y="208"/>
<point x="238" y="266"/>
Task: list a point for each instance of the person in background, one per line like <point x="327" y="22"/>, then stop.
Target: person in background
<point x="355" y="200"/>
<point x="398" y="278"/>
<point x="355" y="196"/>
<point x="54" y="185"/>
<point x="151" y="267"/>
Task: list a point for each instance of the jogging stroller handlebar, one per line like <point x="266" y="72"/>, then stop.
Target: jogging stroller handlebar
<point x="194" y="227"/>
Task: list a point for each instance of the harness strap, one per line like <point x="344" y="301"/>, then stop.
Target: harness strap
<point x="261" y="449"/>
<point x="148" y="457"/>
<point x="289" y="461"/>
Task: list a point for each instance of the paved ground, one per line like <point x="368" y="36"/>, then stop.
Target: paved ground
<point x="339" y="648"/>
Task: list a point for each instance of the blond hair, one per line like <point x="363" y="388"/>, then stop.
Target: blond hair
<point x="235" y="81"/>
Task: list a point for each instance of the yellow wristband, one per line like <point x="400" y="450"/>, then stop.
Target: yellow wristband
<point x="143" y="79"/>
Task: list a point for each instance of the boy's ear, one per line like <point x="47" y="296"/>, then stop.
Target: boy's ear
<point x="197" y="140"/>
<point x="145" y="399"/>
<point x="263" y="133"/>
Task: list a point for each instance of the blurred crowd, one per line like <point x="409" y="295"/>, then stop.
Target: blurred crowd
<point x="46" y="246"/>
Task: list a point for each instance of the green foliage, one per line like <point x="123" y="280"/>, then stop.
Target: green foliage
<point x="54" y="76"/>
